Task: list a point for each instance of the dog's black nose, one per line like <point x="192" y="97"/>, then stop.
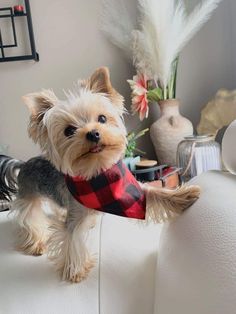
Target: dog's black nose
<point x="93" y="136"/>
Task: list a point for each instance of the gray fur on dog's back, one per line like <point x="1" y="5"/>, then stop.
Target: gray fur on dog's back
<point x="38" y="177"/>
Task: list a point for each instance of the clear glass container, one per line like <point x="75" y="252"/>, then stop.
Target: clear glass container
<point x="197" y="154"/>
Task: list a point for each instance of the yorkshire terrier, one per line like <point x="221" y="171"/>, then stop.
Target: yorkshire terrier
<point x="80" y="137"/>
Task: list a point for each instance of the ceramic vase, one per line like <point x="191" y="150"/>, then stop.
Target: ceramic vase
<point x="168" y="131"/>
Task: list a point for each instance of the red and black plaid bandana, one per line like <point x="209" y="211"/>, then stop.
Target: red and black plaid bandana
<point x="114" y="191"/>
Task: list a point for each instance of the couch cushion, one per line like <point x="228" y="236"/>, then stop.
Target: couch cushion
<point x="121" y="282"/>
<point x="128" y="264"/>
<point x="196" y="271"/>
<point x="29" y="285"/>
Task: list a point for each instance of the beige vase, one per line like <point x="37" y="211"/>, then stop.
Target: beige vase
<point x="168" y="131"/>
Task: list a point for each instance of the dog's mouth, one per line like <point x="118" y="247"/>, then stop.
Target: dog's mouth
<point x="96" y="149"/>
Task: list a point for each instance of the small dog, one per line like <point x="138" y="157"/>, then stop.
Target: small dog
<point x="82" y="136"/>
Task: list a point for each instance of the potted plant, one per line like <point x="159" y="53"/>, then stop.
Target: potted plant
<point x="154" y="44"/>
<point x="131" y="158"/>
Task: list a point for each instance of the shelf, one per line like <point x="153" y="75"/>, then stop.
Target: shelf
<point x="20" y="58"/>
<point x="10" y="14"/>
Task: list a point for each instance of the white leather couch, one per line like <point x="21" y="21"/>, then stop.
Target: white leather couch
<point x="196" y="269"/>
<point x="187" y="266"/>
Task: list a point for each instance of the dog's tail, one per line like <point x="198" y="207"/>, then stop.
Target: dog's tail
<point x="9" y="169"/>
<point x="163" y="204"/>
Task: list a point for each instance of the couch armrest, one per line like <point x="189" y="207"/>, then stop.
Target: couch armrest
<point x="122" y="280"/>
<point x="196" y="271"/>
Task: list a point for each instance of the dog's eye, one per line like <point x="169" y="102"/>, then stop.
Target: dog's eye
<point x="102" y="118"/>
<point x="70" y="131"/>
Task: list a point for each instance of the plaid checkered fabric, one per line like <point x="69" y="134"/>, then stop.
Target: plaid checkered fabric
<point x="114" y="191"/>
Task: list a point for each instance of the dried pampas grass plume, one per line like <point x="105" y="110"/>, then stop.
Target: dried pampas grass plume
<point x="164" y="29"/>
<point x="117" y="23"/>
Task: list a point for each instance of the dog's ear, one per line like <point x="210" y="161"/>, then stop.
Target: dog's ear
<point x="38" y="104"/>
<point x="100" y="82"/>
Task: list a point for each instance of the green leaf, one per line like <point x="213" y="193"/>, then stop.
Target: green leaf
<point x="130" y="136"/>
<point x="140" y="151"/>
<point x="141" y="133"/>
<point x="155" y="94"/>
<point x="131" y="145"/>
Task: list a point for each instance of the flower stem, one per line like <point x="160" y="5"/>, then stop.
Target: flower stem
<point x="175" y="74"/>
<point x="165" y="93"/>
<point x="172" y="81"/>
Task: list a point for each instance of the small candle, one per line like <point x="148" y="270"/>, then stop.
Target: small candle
<point x="18" y="9"/>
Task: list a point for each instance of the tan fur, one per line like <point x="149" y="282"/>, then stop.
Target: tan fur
<point x="164" y="204"/>
<point x="66" y="236"/>
<point x="67" y="247"/>
<point x="38" y="104"/>
<point x="32" y="231"/>
<point x="100" y="83"/>
<point x="72" y="155"/>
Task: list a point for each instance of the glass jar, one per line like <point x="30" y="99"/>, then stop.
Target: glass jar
<point x="197" y="154"/>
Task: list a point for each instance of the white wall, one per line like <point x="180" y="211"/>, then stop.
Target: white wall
<point x="208" y="62"/>
<point x="71" y="46"/>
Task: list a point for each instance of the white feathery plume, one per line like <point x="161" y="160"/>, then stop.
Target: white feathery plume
<point x="141" y="61"/>
<point x="196" y="19"/>
<point x="155" y="36"/>
<point x="117" y="23"/>
<point x="165" y="30"/>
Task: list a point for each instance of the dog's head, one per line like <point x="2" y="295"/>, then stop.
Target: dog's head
<point x="84" y="134"/>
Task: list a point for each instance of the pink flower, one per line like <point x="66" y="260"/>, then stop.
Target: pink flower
<point x="139" y="95"/>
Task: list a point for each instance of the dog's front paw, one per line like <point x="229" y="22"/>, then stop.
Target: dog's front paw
<point x="82" y="274"/>
<point x="30" y="243"/>
<point x="40" y="249"/>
